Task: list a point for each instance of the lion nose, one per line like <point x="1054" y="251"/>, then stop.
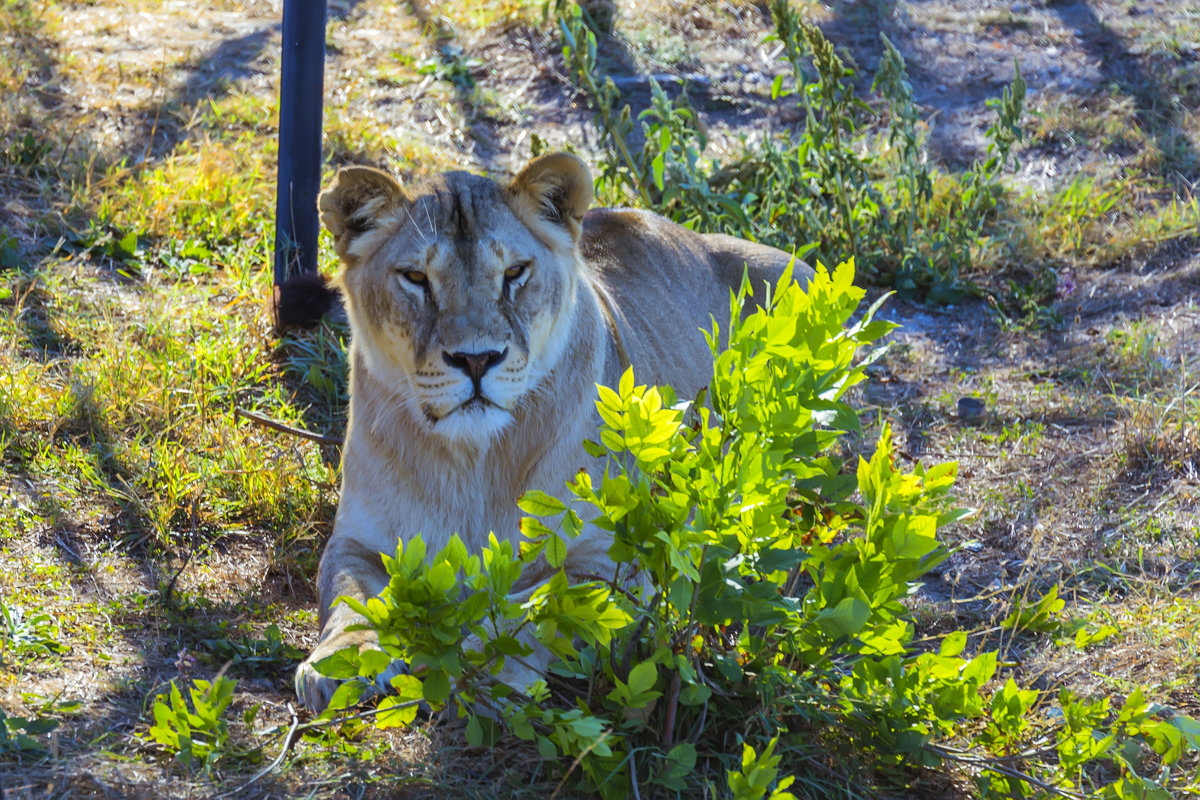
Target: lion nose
<point x="475" y="365"/>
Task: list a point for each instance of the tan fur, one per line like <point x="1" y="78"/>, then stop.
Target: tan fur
<point x="421" y="456"/>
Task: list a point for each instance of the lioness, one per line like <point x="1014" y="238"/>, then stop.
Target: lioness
<point x="482" y="318"/>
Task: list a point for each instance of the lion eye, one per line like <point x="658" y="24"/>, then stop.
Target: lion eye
<point x="516" y="271"/>
<point x="415" y="277"/>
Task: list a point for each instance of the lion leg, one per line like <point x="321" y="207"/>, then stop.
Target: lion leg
<point x="587" y="558"/>
<point x="518" y="672"/>
<point x="346" y="571"/>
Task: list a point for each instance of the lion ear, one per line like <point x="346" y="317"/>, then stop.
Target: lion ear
<point x="555" y="188"/>
<point x="355" y="202"/>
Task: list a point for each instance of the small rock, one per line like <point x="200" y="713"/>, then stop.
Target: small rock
<point x="1019" y="8"/>
<point x="1065" y="83"/>
<point x="1053" y="69"/>
<point x="941" y="87"/>
<point x="970" y="409"/>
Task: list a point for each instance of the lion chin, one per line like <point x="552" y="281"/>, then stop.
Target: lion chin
<point x="482" y="317"/>
<point x="478" y="422"/>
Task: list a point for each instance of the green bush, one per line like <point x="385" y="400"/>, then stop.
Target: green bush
<point x="766" y="648"/>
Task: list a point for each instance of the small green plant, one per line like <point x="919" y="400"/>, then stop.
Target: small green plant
<point x="268" y="655"/>
<point x="317" y="361"/>
<point x="615" y="125"/>
<point x="1037" y="616"/>
<point x="108" y="243"/>
<point x="1029" y="303"/>
<point x="1074" y="211"/>
<point x="10" y="252"/>
<point x="24" y="633"/>
<point x="22" y="737"/>
<point x="26" y="151"/>
<point x="198" y="735"/>
<point x="759" y="775"/>
<point x="189" y="257"/>
<point x="452" y="66"/>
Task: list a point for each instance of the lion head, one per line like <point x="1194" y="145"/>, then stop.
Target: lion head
<point x="460" y="291"/>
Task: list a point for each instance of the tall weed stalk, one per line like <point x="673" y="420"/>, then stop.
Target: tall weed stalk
<point x="853" y="181"/>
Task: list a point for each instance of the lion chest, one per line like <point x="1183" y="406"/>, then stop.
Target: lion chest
<point x="378" y="514"/>
<point x="388" y="501"/>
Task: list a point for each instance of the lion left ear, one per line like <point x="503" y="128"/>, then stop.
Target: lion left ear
<point x="354" y="204"/>
<point x="555" y="188"/>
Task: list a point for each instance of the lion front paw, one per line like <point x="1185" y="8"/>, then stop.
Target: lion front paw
<point x="314" y="690"/>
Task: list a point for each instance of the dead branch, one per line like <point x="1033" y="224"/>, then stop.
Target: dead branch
<point x="283" y="427"/>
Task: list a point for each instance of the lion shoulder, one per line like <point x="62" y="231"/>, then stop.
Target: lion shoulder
<point x="665" y="281"/>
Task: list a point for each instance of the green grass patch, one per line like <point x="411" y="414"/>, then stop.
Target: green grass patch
<point x="134" y="406"/>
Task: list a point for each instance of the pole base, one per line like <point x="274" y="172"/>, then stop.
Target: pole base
<point x="304" y="300"/>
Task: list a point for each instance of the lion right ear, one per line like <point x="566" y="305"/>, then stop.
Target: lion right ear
<point x="355" y="202"/>
<point x="553" y="192"/>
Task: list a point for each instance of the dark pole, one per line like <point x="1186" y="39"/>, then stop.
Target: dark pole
<point x="301" y="95"/>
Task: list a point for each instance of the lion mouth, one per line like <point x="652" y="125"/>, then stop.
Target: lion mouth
<point x="475" y="422"/>
<point x="475" y="404"/>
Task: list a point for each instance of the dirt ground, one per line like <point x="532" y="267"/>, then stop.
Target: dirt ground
<point x="1079" y="471"/>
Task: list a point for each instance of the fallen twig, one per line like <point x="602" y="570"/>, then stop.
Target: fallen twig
<point x="297" y="727"/>
<point x="577" y="761"/>
<point x="283" y="427"/>
<point x="996" y="765"/>
<point x="288" y="742"/>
